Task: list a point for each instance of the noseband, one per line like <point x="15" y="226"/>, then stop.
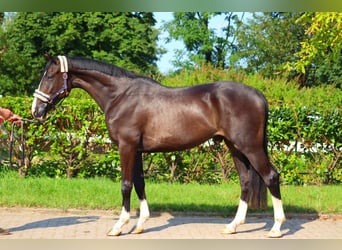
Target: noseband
<point x="51" y="99"/>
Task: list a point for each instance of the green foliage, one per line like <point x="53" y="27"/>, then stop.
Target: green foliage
<point x="319" y="58"/>
<point x="305" y="47"/>
<point x="204" y="73"/>
<point x="125" y="39"/>
<point x="306" y="144"/>
<point x="208" y="163"/>
<point x="202" y="42"/>
<point x="266" y="42"/>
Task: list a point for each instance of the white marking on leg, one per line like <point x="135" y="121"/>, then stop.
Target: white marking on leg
<point x="279" y="218"/>
<point x="144" y="215"/>
<point x="238" y="220"/>
<point x="123" y="219"/>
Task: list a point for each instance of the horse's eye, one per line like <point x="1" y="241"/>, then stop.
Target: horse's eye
<point x="50" y="78"/>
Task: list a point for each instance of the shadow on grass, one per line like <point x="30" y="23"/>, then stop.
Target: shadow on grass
<point x="55" y="222"/>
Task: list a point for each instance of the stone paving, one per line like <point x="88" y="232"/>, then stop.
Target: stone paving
<point x="41" y="223"/>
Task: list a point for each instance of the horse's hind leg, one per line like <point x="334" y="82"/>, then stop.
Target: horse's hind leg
<point x="139" y="186"/>
<point x="259" y="160"/>
<point x="243" y="168"/>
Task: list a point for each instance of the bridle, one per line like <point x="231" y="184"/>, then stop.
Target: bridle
<point x="52" y="99"/>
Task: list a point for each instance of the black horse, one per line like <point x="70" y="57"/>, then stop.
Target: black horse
<point x="143" y="116"/>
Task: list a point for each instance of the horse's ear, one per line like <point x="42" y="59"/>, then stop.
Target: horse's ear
<point x="47" y="57"/>
<point x="50" y="58"/>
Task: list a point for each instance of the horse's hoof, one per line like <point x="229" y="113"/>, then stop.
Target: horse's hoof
<point x="4" y="231"/>
<point x="274" y="234"/>
<point x="114" y="232"/>
<point x="228" y="230"/>
<point x="138" y="230"/>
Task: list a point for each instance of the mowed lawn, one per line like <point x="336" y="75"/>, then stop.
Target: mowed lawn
<point x="102" y="193"/>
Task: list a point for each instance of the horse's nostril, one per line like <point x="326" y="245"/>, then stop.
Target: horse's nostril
<point x="34" y="113"/>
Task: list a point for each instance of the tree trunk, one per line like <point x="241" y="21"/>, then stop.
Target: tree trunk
<point x="24" y="167"/>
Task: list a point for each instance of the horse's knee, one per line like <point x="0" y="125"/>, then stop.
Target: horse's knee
<point x="126" y="187"/>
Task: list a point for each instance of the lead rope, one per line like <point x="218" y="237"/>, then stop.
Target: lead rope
<point x="22" y="137"/>
<point x="22" y="144"/>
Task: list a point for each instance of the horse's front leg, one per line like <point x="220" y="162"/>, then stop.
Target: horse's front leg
<point x="127" y="158"/>
<point x="139" y="185"/>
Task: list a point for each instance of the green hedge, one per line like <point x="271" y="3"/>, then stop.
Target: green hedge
<point x="304" y="141"/>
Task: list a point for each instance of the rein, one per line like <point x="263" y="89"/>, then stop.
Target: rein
<point x="51" y="99"/>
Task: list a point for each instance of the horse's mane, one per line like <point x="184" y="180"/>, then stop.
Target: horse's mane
<point x="106" y="68"/>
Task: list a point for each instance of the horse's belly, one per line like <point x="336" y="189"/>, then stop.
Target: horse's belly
<point x="178" y="126"/>
<point x="171" y="140"/>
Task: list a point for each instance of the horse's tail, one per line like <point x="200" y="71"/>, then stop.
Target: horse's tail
<point x="265" y="139"/>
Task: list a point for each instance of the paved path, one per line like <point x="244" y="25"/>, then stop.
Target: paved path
<point x="28" y="223"/>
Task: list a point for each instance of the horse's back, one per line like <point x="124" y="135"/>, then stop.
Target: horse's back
<point x="239" y="90"/>
<point x="184" y="117"/>
<point x="237" y="98"/>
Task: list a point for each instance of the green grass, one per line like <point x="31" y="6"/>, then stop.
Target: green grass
<point x="101" y="193"/>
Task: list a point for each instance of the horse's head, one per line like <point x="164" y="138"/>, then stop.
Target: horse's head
<point x="52" y="88"/>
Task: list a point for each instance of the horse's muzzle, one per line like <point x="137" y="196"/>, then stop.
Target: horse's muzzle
<point x="39" y="111"/>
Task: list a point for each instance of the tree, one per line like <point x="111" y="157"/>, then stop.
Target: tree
<point x="319" y="59"/>
<point x="127" y="39"/>
<point x="202" y="42"/>
<point x="266" y="42"/>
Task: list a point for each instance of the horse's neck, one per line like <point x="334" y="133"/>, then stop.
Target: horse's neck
<point x="100" y="87"/>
